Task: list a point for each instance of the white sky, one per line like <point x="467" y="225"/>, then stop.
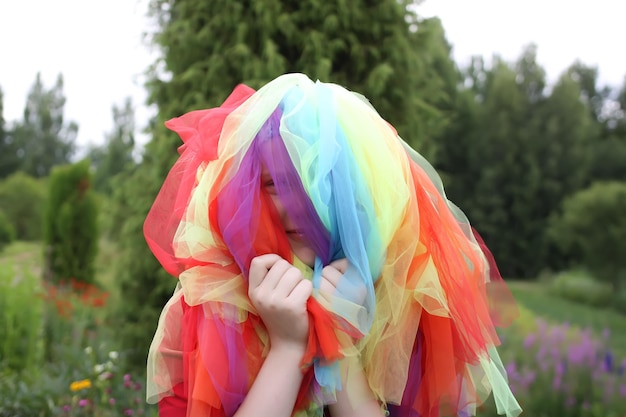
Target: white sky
<point x="97" y="46"/>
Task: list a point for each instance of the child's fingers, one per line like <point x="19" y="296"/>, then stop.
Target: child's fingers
<point x="288" y="280"/>
<point x="275" y="275"/>
<point x="301" y="292"/>
<point x="340" y="265"/>
<point x="259" y="268"/>
<point x="334" y="271"/>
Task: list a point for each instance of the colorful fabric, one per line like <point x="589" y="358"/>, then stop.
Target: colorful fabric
<point x="420" y="297"/>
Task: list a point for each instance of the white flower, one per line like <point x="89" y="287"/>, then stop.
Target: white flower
<point x="88" y="350"/>
<point x="105" y="375"/>
<point x="113" y="355"/>
<point x="98" y="368"/>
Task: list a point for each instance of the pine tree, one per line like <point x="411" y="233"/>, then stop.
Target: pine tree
<point x="378" y="48"/>
<point x="116" y="154"/>
<point x="9" y="160"/>
<point x="43" y="139"/>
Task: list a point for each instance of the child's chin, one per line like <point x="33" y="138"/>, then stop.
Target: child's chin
<point x="303" y="252"/>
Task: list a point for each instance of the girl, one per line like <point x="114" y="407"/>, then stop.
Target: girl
<point x="321" y="268"/>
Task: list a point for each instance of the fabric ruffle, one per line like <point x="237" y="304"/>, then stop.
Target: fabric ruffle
<point x="421" y="298"/>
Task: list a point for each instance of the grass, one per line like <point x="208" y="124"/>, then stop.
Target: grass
<point x="23" y="256"/>
<point x="536" y="298"/>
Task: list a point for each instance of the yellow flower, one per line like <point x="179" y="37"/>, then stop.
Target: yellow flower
<point x="78" y="385"/>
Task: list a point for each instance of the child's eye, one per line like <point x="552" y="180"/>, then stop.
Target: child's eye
<point x="269" y="183"/>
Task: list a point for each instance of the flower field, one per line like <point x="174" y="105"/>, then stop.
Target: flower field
<point x="58" y="355"/>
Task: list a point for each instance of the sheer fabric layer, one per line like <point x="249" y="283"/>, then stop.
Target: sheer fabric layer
<point x="415" y="307"/>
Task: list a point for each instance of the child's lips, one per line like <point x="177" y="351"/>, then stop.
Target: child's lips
<point x="295" y="235"/>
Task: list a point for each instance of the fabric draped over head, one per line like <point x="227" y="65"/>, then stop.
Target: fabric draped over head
<point x="414" y="305"/>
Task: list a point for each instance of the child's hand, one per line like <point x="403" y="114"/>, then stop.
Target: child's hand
<point x="331" y="275"/>
<point x="279" y="293"/>
<point x="352" y="289"/>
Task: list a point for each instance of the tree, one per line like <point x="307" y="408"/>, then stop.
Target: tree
<point x="43" y="139"/>
<point x="513" y="151"/>
<point x="9" y="161"/>
<point x="505" y="174"/>
<point x="116" y="155"/>
<point x="531" y="77"/>
<point x="70" y="225"/>
<point x="591" y="229"/>
<point x="22" y="199"/>
<point x="380" y="49"/>
<point x="609" y="151"/>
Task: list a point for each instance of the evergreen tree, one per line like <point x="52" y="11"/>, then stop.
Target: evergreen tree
<point x="609" y="151"/>
<point x="9" y="161"/>
<point x="116" y="155"/>
<point x="514" y="151"/>
<point x="380" y="49"/>
<point x="70" y="224"/>
<point x="43" y="139"/>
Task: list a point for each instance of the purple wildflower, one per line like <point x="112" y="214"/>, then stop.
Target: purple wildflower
<point x="83" y="403"/>
<point x="529" y="341"/>
<point x="128" y="412"/>
<point x="608" y="361"/>
<point x="511" y="370"/>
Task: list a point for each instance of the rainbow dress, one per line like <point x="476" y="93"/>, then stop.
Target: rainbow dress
<point x="421" y="297"/>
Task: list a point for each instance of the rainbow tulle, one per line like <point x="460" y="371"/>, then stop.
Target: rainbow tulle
<point x="421" y="296"/>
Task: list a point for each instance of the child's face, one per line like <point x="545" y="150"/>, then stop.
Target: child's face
<point x="298" y="244"/>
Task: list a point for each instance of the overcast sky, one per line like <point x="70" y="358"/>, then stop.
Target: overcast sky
<point x="98" y="48"/>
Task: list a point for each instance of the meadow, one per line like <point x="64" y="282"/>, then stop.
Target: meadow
<point x="59" y="357"/>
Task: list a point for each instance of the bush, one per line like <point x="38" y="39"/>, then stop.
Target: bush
<point x="7" y="231"/>
<point x="21" y="199"/>
<point x="591" y="230"/>
<point x="619" y="301"/>
<point x="71" y="228"/>
<point x="580" y="287"/>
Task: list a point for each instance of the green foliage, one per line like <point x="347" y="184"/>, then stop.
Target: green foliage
<point x="116" y="155"/>
<point x="591" y="230"/>
<point x="71" y="228"/>
<point x="9" y="160"/>
<point x="537" y="298"/>
<point x="7" y="231"/>
<point x="43" y="139"/>
<point x="21" y="311"/>
<point x="580" y="287"/>
<point x="512" y="152"/>
<point x="22" y="199"/>
<point x="57" y="355"/>
<point x="26" y="395"/>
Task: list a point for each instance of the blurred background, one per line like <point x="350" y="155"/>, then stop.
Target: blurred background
<point x="520" y="105"/>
